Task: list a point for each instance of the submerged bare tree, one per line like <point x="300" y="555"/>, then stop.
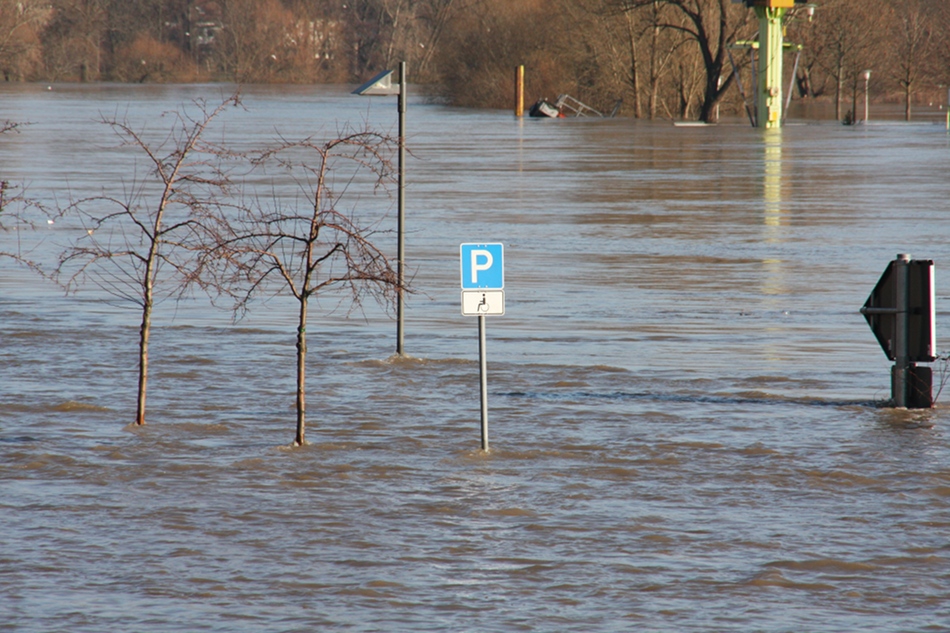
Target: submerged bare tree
<point x="133" y="243"/>
<point x="313" y="242"/>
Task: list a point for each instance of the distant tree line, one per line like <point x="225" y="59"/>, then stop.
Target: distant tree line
<point x="664" y="58"/>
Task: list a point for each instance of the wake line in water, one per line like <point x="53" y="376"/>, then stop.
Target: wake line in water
<point x="691" y="399"/>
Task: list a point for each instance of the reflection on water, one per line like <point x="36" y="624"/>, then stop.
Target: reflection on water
<point x="683" y="394"/>
<point x="774" y="215"/>
<point x="775" y="221"/>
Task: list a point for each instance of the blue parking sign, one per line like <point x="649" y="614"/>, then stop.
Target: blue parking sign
<point x="483" y="266"/>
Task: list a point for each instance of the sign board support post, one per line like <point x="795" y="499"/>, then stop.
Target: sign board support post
<point x="483" y="370"/>
<point x="901" y="361"/>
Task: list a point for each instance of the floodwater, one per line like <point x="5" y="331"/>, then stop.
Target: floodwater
<point x="685" y="421"/>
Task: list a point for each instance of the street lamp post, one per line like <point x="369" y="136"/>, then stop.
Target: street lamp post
<point x="381" y="84"/>
<point x="867" y="78"/>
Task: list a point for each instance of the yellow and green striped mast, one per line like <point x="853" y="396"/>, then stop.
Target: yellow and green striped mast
<point x="771" y="50"/>
<point x="771" y="45"/>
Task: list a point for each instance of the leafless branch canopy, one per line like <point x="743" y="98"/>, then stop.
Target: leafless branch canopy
<point x="145" y="235"/>
<point x="9" y="194"/>
<point x="306" y="242"/>
<point x="19" y="212"/>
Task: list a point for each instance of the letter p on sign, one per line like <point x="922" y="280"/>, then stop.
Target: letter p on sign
<point x="482" y="266"/>
<point x="481" y="260"/>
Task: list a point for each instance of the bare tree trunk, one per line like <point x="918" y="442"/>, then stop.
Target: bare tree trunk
<point x="395" y="28"/>
<point x="301" y="372"/>
<point x="805" y="89"/>
<point x="437" y="26"/>
<point x="838" y="89"/>
<point x="148" y="297"/>
<point x="854" y="101"/>
<point x="908" y="95"/>
<point x="654" y="73"/>
<point x="143" y="361"/>
<point x="634" y="65"/>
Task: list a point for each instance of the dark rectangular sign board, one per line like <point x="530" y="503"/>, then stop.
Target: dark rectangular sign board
<point x="880" y="310"/>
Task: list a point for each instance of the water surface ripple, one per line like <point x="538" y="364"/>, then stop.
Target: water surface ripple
<point x="685" y="421"/>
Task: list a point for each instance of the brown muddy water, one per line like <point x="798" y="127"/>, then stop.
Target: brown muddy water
<point x="684" y="401"/>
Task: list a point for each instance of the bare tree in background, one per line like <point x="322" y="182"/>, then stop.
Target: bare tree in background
<point x="914" y="51"/>
<point x="305" y="246"/>
<point x="21" y="25"/>
<point x="490" y="37"/>
<point x="436" y="16"/>
<point x="134" y="242"/>
<point x="941" y="14"/>
<point x="76" y="39"/>
<point x="713" y="25"/>
<point x="851" y="35"/>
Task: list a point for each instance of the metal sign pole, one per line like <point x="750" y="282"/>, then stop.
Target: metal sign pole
<point x="899" y="382"/>
<point x="401" y="251"/>
<point x="483" y="370"/>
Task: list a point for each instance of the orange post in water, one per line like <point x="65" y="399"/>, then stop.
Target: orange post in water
<point x="519" y="90"/>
